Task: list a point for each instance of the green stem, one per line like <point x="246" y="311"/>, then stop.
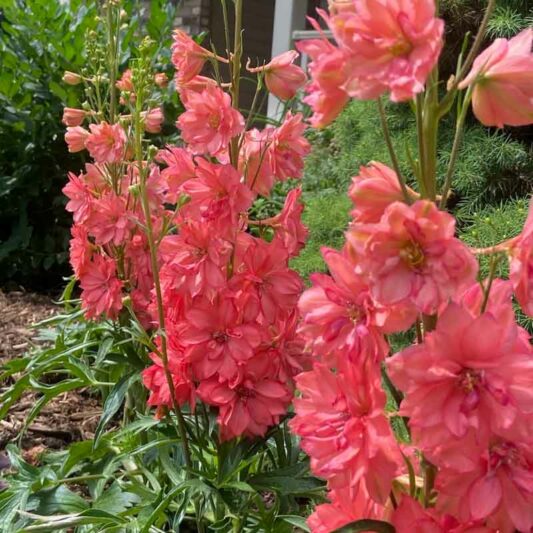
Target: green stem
<point x="392" y="153"/>
<point x="478" y="41"/>
<point x="458" y="139"/>
<point x="421" y="144"/>
<point x="182" y="430"/>
<point x="236" y="75"/>
<point x="112" y="63"/>
<point x="494" y="260"/>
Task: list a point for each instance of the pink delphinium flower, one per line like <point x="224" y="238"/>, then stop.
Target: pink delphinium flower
<point x="198" y="256"/>
<point x="338" y="315"/>
<point x="217" y="338"/>
<point x="255" y="160"/>
<point x="282" y="77"/>
<point x="76" y="137"/>
<point x="106" y="142"/>
<point x="497" y="488"/>
<point x="188" y="56"/>
<point x="81" y="202"/>
<point x="161" y="80"/>
<point x="248" y="408"/>
<point x="263" y="269"/>
<point x="503" y="82"/>
<point x="101" y="290"/>
<point x="80" y="249"/>
<point x="411" y="517"/>
<point x="216" y="193"/>
<point x="394" y="46"/>
<point x="73" y="117"/>
<point x="125" y="83"/>
<point x="412" y="257"/>
<point x="521" y="265"/>
<point x="329" y="72"/>
<point x="470" y="373"/>
<point x="109" y="221"/>
<point x="155" y="380"/>
<point x="153" y="120"/>
<point x="373" y="190"/>
<point x="180" y="168"/>
<point x="287" y="224"/>
<point x="209" y="122"/>
<point x="288" y="147"/>
<point x="347" y="505"/>
<point x="343" y="428"/>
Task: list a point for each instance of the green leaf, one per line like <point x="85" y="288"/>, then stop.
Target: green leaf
<point x="297" y="521"/>
<point x="113" y="404"/>
<point x="285" y="481"/>
<point x="12" y="500"/>
<point x="57" y="500"/>
<point x="114" y="500"/>
<point x="367" y="525"/>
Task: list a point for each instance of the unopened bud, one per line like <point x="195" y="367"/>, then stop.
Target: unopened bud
<point x="123" y="14"/>
<point x="134" y="190"/>
<point x="161" y="80"/>
<point x="152" y="152"/>
<point x="450" y="82"/>
<point x="71" y="78"/>
<point x="126" y="301"/>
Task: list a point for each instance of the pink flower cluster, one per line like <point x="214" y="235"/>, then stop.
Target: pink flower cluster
<point x="382" y="46"/>
<point x="467" y="386"/>
<point x="230" y="298"/>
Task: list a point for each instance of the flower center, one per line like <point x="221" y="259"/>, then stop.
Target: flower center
<point x="469" y="380"/>
<point x="214" y="121"/>
<point x="402" y="47"/>
<point x="506" y="453"/>
<point x="413" y="255"/>
<point x="220" y="337"/>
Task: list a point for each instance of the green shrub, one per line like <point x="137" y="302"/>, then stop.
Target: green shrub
<point x="39" y="40"/>
<point x="326" y="215"/>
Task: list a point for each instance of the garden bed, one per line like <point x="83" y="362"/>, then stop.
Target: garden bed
<point x="71" y="416"/>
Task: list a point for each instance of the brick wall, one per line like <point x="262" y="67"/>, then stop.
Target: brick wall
<point x="193" y="16"/>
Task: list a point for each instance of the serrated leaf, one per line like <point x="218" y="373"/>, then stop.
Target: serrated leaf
<point x="57" y="500"/>
<point x="114" y="500"/>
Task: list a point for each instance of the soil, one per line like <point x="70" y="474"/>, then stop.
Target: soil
<point x="70" y="417"/>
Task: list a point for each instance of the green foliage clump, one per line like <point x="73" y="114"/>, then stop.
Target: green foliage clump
<point x="326" y="215"/>
<point x="39" y="40"/>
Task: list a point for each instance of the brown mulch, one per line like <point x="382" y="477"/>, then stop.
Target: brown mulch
<point x="69" y="417"/>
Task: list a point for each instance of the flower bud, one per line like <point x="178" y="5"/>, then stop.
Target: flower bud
<point x="161" y="80"/>
<point x="71" y="78"/>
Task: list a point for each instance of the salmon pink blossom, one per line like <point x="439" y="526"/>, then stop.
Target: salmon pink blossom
<point x="287" y="224"/>
<point x="109" y="221"/>
<point x="502" y="80"/>
<point x="343" y="428"/>
<point x="180" y="168"/>
<point x="411" y="517"/>
<point x="497" y="488"/>
<point x="125" y="83"/>
<point x="73" y="117"/>
<point x="153" y="120"/>
<point x="288" y="147"/>
<point x="106" y="142"/>
<point x="155" y="380"/>
<point x="188" y="56"/>
<point x="372" y="190"/>
<point x="282" y="77"/>
<point x="76" y="137"/>
<point x="412" y="257"/>
<point x="471" y="372"/>
<point x="347" y="505"/>
<point x="209" y="122"/>
<point x="255" y="161"/>
<point x="338" y="315"/>
<point x="218" y="337"/>
<point x="394" y="46"/>
<point x="80" y="202"/>
<point x="248" y="408"/>
<point x="101" y="290"/>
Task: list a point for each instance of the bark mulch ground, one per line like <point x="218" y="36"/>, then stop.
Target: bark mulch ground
<point x="70" y="417"/>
